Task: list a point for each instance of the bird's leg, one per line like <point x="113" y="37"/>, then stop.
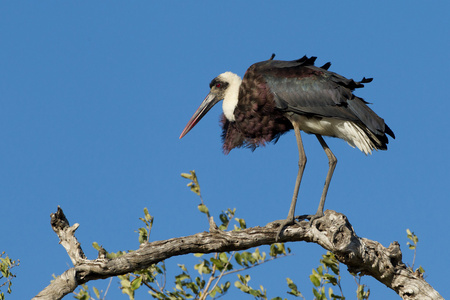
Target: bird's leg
<point x="332" y="161"/>
<point x="301" y="167"/>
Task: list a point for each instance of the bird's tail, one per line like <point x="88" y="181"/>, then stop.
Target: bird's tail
<point x="364" y="139"/>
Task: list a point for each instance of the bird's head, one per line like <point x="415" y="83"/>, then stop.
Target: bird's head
<point x="223" y="87"/>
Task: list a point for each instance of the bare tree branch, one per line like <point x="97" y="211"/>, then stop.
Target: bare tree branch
<point x="332" y="231"/>
<point x="66" y="234"/>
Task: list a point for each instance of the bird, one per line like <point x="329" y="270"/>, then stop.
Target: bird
<point x="277" y="96"/>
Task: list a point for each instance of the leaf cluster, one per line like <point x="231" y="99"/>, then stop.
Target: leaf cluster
<point x="6" y="276"/>
<point x="413" y="246"/>
<point x="84" y="294"/>
<point x="326" y="274"/>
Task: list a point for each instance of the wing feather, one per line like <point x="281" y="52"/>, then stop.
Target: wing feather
<point x="300" y="87"/>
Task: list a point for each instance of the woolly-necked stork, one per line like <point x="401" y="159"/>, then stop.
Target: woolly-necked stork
<point x="276" y="96"/>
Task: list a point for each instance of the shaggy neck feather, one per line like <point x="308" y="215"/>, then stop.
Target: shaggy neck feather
<point x="231" y="97"/>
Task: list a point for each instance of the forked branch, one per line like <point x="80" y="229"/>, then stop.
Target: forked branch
<point x="332" y="231"/>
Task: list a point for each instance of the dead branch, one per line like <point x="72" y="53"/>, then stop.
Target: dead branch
<point x="332" y="231"/>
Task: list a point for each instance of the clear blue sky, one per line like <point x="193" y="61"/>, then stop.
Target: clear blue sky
<point x="95" y="95"/>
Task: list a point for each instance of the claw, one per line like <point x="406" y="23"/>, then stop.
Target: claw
<point x="312" y="218"/>
<point x="283" y="224"/>
<point x="289" y="222"/>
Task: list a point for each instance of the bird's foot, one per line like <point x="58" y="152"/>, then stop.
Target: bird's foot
<point x="312" y="218"/>
<point x="283" y="223"/>
<point x="295" y="220"/>
<point x="301" y="218"/>
<point x="288" y="222"/>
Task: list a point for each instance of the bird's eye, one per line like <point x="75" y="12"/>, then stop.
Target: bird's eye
<point x="218" y="85"/>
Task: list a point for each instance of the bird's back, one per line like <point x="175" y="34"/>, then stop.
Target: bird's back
<point x="275" y="93"/>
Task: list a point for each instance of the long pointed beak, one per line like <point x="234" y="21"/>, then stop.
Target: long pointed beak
<point x="206" y="105"/>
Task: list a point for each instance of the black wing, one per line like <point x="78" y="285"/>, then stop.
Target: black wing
<point x="300" y="87"/>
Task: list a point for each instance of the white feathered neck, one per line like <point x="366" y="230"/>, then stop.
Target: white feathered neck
<point x="231" y="97"/>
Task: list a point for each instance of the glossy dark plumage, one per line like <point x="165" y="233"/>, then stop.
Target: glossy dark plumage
<point x="272" y="88"/>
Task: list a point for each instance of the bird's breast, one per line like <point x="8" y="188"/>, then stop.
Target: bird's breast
<point x="257" y="122"/>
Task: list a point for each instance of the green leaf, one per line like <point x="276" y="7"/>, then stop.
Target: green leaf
<point x="314" y="279"/>
<point x="96" y="292"/>
<point x="200" y="284"/>
<point x="242" y="287"/>
<point x="213" y="292"/>
<point x="182" y="276"/>
<point x="223" y="218"/>
<point x="242" y="223"/>
<point x="218" y="263"/>
<point x="241" y="278"/>
<point x="331" y="279"/>
<point x="291" y="284"/>
<point x="182" y="267"/>
<point x="187" y="176"/>
<point x="203" y="267"/>
<point x="124" y="281"/>
<point x="335" y="269"/>
<point x="277" y="249"/>
<point x="136" y="283"/>
<point x="238" y="258"/>
<point x="253" y="292"/>
<point x="147" y="215"/>
<point x="330" y="293"/>
<point x="194" y="184"/>
<point x="223" y="227"/>
<point x="202" y="208"/>
<point x="256" y="255"/>
<point x="294" y="291"/>
<point x="360" y="291"/>
<point x="320" y="270"/>
<point x="195" y="189"/>
<point x="223" y="257"/>
<point x="317" y="294"/>
<point x="143" y="235"/>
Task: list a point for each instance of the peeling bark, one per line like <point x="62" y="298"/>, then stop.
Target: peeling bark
<point x="332" y="231"/>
